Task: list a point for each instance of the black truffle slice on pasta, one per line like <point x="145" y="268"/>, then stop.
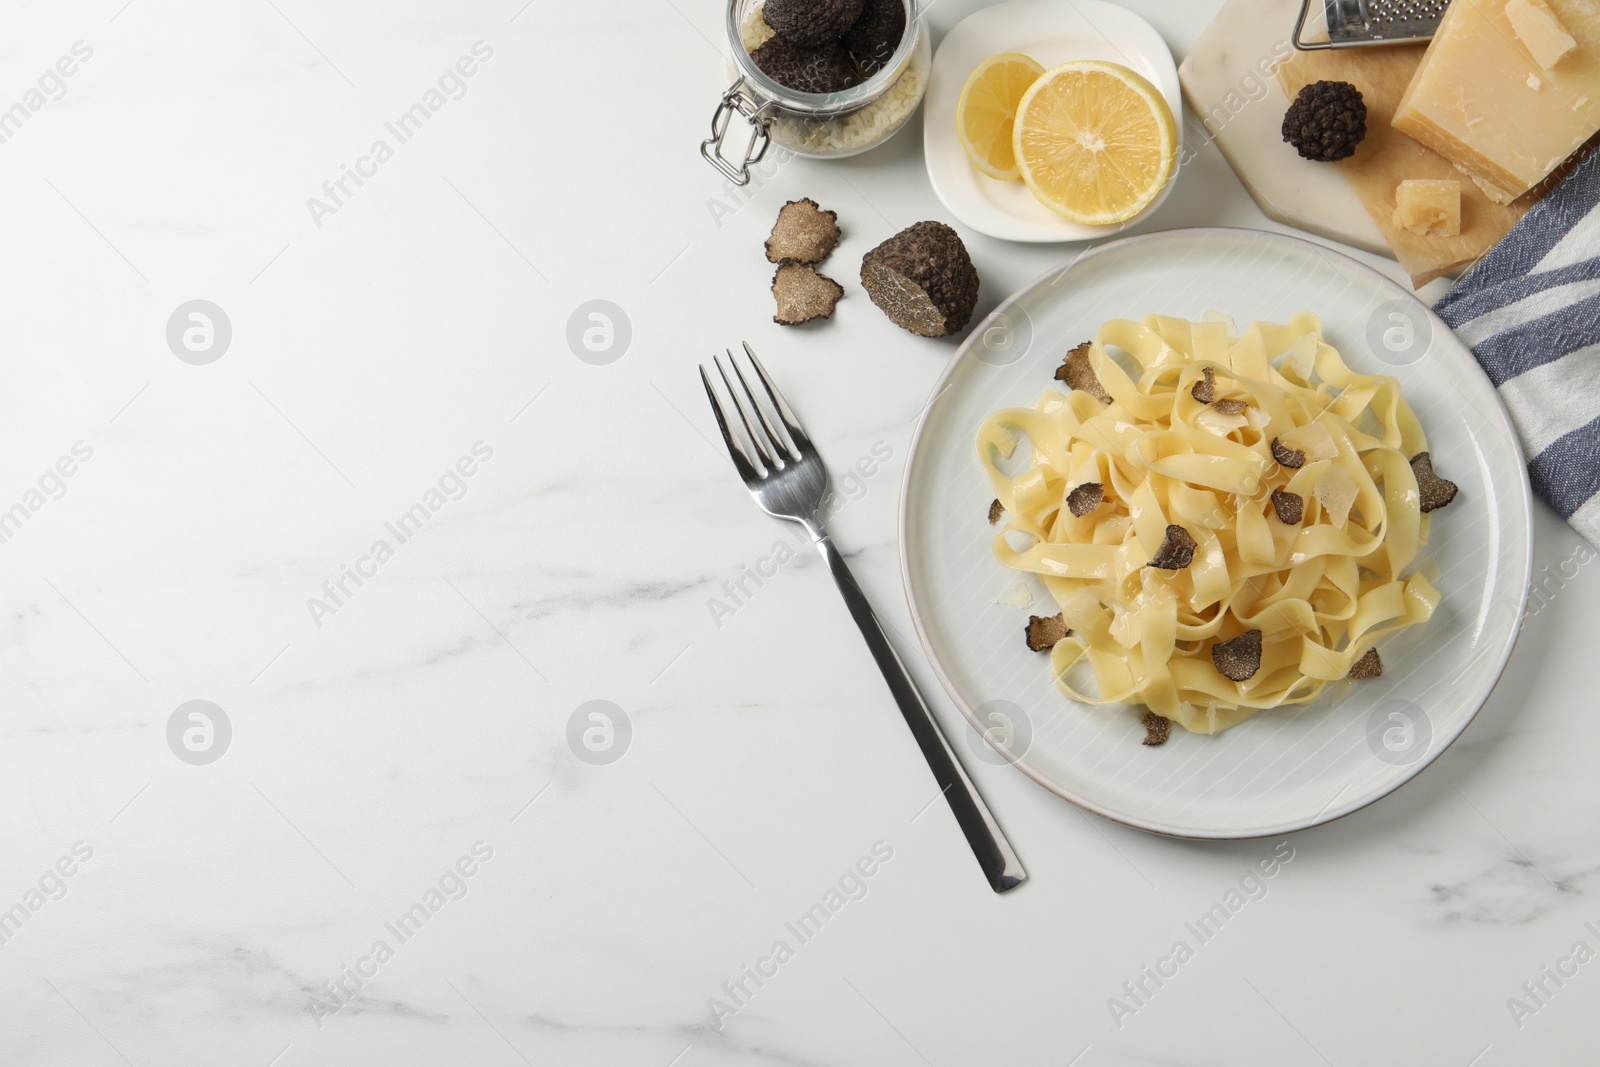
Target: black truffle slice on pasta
<point x="1085" y="498"/>
<point x="1044" y="631"/>
<point x="1436" y="491"/>
<point x="1368" y="666"/>
<point x="1156" y="728"/>
<point x="1205" y="390"/>
<point x="1293" y="458"/>
<point x="1176" y="551"/>
<point x="1291" y="507"/>
<point x="1078" y="373"/>
<point x="1229" y="406"/>
<point x="1240" y="658"/>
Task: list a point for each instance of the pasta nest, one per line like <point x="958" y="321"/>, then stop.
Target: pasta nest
<point x="1322" y="590"/>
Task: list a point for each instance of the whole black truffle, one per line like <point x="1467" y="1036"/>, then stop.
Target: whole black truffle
<point x="807" y="70"/>
<point x="810" y="23"/>
<point x="873" y="38"/>
<point x="923" y="279"/>
<point x="1326" y="121"/>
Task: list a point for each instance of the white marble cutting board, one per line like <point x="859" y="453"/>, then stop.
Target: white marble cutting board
<point x="1229" y="81"/>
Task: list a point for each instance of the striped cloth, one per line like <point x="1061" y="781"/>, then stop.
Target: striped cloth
<point x="1530" y="311"/>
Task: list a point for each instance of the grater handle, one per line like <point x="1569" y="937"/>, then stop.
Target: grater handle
<point x="1299" y="31"/>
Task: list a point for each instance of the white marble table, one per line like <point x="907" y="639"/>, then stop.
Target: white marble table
<point x="386" y="738"/>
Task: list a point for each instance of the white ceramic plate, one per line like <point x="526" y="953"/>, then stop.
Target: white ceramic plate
<point x="1280" y="770"/>
<point x="1052" y="32"/>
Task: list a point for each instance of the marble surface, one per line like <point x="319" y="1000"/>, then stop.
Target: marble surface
<point x="400" y="857"/>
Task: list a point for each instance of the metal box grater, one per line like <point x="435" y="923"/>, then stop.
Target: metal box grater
<point x="1354" y="23"/>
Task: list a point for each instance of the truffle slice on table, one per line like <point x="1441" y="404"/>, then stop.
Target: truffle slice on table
<point x="825" y="69"/>
<point x="804" y="233"/>
<point x="995" y="511"/>
<point x="1326" y="121"/>
<point x="810" y="23"/>
<point x="875" y="36"/>
<point x="1156" y="728"/>
<point x="1044" y="631"/>
<point x="803" y="293"/>
<point x="1436" y="491"/>
<point x="923" y="279"/>
<point x="1240" y="658"/>
<point x="1078" y="373"/>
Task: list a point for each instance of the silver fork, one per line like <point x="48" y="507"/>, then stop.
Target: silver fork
<point x="785" y="475"/>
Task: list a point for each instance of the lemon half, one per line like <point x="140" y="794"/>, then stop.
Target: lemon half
<point x="987" y="109"/>
<point x="1095" y="141"/>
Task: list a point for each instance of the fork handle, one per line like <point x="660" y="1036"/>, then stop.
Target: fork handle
<point x="995" y="855"/>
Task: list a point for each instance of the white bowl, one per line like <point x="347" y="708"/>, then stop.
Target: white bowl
<point x="1052" y="32"/>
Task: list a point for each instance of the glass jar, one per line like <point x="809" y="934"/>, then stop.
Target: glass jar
<point x="821" y="125"/>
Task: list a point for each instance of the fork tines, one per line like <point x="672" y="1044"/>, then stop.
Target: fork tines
<point x="774" y="449"/>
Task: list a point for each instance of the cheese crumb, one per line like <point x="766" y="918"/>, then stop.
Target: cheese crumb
<point x="1018" y="595"/>
<point x="1540" y="31"/>
<point x="1313" y="440"/>
<point x="1428" y="208"/>
<point x="1534" y="83"/>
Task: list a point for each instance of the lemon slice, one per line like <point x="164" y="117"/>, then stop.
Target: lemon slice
<point x="1094" y="141"/>
<point x="987" y="108"/>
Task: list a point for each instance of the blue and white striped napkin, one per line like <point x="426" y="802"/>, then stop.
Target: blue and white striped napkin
<point x="1530" y="311"/>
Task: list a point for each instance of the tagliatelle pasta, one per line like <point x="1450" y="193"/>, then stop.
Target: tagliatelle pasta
<point x="1290" y="477"/>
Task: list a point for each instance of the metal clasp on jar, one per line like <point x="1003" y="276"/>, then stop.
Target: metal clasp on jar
<point x="734" y="100"/>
